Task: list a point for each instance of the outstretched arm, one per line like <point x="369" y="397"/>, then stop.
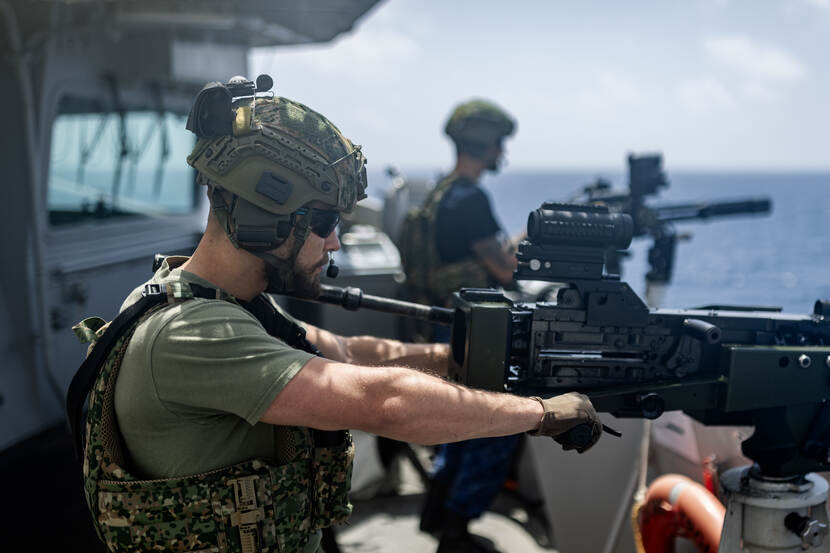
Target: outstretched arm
<point x="412" y="406"/>
<point x="398" y="403"/>
<point x="372" y="351"/>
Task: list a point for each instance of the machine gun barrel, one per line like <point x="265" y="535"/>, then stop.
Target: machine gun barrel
<point x="353" y="299"/>
<point x="704" y="210"/>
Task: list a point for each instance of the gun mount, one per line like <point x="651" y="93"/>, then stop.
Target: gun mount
<point x="645" y="179"/>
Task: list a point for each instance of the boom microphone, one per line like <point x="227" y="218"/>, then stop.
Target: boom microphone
<point x="333" y="270"/>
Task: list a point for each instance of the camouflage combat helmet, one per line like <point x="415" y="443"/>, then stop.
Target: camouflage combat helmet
<point x="274" y="155"/>
<point x="479" y="123"/>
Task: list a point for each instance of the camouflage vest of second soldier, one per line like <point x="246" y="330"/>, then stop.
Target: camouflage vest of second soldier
<point x="429" y="279"/>
<point x="257" y="506"/>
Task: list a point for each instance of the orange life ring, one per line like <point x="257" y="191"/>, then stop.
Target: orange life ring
<point x="678" y="506"/>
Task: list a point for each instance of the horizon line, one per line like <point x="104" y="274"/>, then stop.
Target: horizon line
<point x="622" y="168"/>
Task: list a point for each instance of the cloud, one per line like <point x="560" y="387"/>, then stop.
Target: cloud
<point x="610" y="89"/>
<point x="760" y="92"/>
<point x="825" y="4"/>
<point x="619" y="86"/>
<point x="753" y="59"/>
<point x="704" y="95"/>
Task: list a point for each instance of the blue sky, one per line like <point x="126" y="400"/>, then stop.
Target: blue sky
<point x="713" y="84"/>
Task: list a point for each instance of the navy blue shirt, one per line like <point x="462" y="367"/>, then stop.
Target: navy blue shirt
<point x="464" y="216"/>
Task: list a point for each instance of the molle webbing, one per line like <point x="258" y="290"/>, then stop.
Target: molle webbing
<point x="429" y="279"/>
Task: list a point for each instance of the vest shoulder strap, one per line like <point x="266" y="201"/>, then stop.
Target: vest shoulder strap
<point x="277" y="324"/>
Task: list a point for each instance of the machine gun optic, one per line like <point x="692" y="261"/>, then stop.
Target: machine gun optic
<point x="568" y="241"/>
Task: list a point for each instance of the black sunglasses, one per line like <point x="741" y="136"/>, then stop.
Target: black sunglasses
<point x="323" y="221"/>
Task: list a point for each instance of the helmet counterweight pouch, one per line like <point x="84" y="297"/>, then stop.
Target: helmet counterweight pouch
<point x="212" y="114"/>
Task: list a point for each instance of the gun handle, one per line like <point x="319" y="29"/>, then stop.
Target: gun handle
<point x="581" y="435"/>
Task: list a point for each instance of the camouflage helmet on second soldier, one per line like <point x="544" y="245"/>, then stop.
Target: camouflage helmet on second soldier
<point x="274" y="155"/>
<point x="478" y="124"/>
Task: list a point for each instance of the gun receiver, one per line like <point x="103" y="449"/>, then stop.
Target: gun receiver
<point x="721" y="366"/>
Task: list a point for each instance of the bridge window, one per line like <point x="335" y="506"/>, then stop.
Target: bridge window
<point x="108" y="164"/>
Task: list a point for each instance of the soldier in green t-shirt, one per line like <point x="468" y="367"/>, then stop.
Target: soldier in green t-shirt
<point x="220" y="423"/>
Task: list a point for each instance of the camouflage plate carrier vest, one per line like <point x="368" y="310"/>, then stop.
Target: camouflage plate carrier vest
<point x="429" y="279"/>
<point x="250" y="507"/>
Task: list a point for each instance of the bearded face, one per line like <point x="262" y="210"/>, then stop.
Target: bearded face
<point x="299" y="274"/>
<point x="302" y="279"/>
<point x="494" y="158"/>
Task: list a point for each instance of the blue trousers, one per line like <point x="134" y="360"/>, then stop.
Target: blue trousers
<point x="475" y="471"/>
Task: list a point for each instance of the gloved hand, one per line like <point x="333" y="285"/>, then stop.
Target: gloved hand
<point x="563" y="414"/>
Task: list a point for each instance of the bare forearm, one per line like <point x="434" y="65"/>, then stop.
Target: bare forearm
<point x="399" y="403"/>
<point x="372" y="351"/>
<point x="368" y="350"/>
<point x="423" y="409"/>
<point x="412" y="406"/>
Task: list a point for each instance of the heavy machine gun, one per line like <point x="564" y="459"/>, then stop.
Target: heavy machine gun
<point x="722" y="365"/>
<point x="645" y="179"/>
<point x="732" y="365"/>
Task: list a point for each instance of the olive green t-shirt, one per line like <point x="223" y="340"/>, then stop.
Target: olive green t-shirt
<point x="195" y="380"/>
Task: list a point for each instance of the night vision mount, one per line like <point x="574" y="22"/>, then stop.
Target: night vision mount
<point x="214" y="110"/>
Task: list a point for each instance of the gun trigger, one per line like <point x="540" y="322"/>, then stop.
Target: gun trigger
<point x="608" y="430"/>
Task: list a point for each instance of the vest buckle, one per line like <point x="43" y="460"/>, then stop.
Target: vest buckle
<point x="154" y="291"/>
<point x="247" y="516"/>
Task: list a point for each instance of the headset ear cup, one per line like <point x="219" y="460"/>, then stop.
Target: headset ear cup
<point x="212" y="114"/>
<point x="283" y="230"/>
<point x="255" y="229"/>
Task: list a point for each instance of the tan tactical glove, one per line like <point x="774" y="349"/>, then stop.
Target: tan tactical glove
<point x="562" y="419"/>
